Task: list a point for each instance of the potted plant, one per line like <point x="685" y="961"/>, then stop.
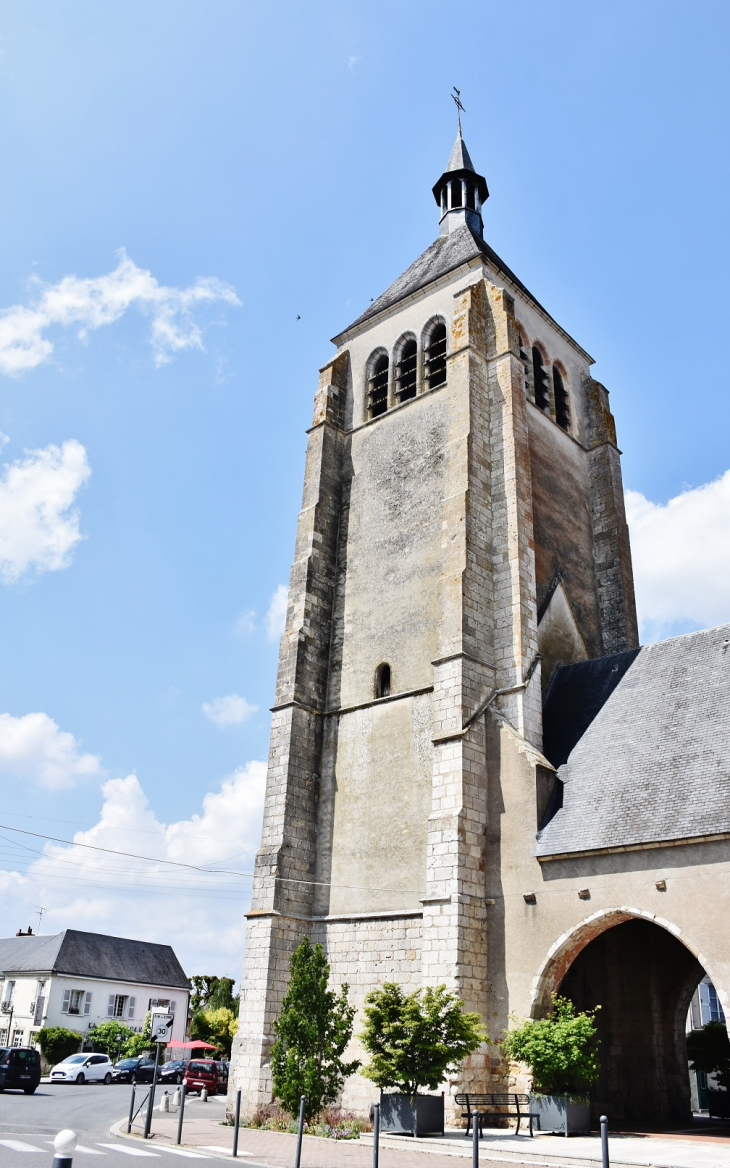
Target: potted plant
<point x="562" y="1054"/>
<point x="709" y="1050"/>
<point x="413" y="1041"/>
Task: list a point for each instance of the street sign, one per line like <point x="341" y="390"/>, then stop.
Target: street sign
<point x="161" y="1026"/>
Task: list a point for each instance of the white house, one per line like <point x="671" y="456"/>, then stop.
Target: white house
<point x="77" y="980"/>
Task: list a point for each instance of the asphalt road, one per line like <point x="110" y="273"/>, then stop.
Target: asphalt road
<point x="28" y="1124"/>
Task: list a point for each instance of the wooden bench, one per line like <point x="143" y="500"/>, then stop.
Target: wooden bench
<point x="499" y="1106"/>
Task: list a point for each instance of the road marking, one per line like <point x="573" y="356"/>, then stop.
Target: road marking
<point x="182" y="1152"/>
<point x="120" y="1147"/>
<point x="19" y="1146"/>
<point x="82" y="1148"/>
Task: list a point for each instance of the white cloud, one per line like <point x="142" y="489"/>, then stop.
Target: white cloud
<point x="39" y="529"/>
<point x="33" y="747"/>
<point x="89" y="303"/>
<point x="351" y="63"/>
<point x="229" y="711"/>
<point x="276" y="615"/>
<point x="199" y="914"/>
<point x="246" y="622"/>
<point x="681" y="557"/>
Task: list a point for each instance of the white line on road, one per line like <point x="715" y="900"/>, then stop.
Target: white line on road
<point x="120" y="1147"/>
<point x="19" y="1146"/>
<point x="84" y="1150"/>
<point x="182" y="1152"/>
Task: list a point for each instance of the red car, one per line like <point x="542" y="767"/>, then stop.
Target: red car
<point x="204" y="1073"/>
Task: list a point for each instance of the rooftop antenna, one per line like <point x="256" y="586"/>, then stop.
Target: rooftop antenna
<point x="40" y="912"/>
<point x="456" y="98"/>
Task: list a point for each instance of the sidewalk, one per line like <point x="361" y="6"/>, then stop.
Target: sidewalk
<point x="705" y="1147"/>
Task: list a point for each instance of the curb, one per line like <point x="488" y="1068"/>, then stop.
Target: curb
<point x="116" y="1132"/>
<point x="507" y="1156"/>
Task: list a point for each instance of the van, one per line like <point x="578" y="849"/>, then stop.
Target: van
<point x="20" y="1069"/>
<point x="203" y="1073"/>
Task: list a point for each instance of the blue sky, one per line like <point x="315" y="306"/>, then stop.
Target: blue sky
<point x="285" y="154"/>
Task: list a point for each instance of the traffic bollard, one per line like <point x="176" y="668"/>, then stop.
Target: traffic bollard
<point x="300" y="1132"/>
<point x="131" y="1110"/>
<point x="604" y="1140"/>
<point x="164" y="1103"/>
<point x="176" y="1098"/>
<point x="376" y="1134"/>
<point x="203" y="1094"/>
<point x="180" y="1116"/>
<point x="64" y="1146"/>
<point x="475" y="1140"/>
<point x="237" y="1122"/>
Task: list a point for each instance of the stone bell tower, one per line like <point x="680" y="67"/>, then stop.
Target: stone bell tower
<point x="462" y="531"/>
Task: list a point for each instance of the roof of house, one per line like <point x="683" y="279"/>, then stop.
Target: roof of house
<point x="93" y="955"/>
<point x="444" y="255"/>
<point x="576" y="694"/>
<point x="653" y="763"/>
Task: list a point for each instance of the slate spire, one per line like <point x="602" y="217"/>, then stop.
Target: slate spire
<point x="461" y="192"/>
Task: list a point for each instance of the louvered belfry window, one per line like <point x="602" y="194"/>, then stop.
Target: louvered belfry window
<point x="407" y="370"/>
<point x="435" y="357"/>
<point x="378" y="386"/>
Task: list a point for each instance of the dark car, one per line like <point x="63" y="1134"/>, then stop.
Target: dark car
<point x="20" y="1069"/>
<point x="173" y="1072"/>
<point x="203" y="1073"/>
<point x="222" y="1075"/>
<point x="133" y="1070"/>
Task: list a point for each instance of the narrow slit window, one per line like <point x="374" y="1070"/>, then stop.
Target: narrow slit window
<point x="562" y="401"/>
<point x="540" y="378"/>
<point x="378" y="386"/>
<point x="407" y="371"/>
<point x="456" y="193"/>
<point x="435" y="363"/>
<point x="382" y="681"/>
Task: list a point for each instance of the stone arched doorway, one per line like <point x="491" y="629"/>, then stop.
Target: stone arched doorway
<point x="643" y="977"/>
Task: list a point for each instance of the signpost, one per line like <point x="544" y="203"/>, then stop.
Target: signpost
<point x="161" y="1024"/>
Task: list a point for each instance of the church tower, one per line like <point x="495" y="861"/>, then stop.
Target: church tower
<point x="462" y="533"/>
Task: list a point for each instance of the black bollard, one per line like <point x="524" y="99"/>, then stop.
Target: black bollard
<point x="180" y="1116"/>
<point x="475" y="1140"/>
<point x="604" y="1140"/>
<point x="300" y="1132"/>
<point x="376" y="1134"/>
<point x="64" y="1146"/>
<point x="237" y="1122"/>
<point x="131" y="1110"/>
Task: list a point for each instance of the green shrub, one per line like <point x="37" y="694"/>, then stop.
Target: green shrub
<point x="312" y="1031"/>
<point x="709" y="1050"/>
<point x="57" y="1043"/>
<point x="560" y="1050"/>
<point x="414" y="1040"/>
<point x="111" y="1037"/>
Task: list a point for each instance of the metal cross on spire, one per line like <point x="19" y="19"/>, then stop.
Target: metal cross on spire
<point x="456" y="98"/>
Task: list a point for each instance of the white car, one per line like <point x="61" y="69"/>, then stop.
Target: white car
<point x="83" y="1068"/>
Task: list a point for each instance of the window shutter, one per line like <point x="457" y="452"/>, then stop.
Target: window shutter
<point x="87" y="1004"/>
<point x="130" y="1011"/>
<point x="40" y="1002"/>
<point x="172" y="1007"/>
<point x="110" y="1006"/>
<point x="66" y="1001"/>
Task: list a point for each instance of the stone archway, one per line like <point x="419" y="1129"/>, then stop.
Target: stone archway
<point x="642" y="973"/>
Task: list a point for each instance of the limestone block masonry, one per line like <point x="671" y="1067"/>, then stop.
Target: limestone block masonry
<point x="429" y="536"/>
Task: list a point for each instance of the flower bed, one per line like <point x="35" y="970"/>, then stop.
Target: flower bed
<point x="332" y="1124"/>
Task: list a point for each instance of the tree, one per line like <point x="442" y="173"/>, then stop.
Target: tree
<point x="211" y="992"/>
<point x="709" y="1050"/>
<point x="313" y="1029"/>
<point x="560" y="1050"/>
<point x="57" y="1043"/>
<point x="111" y="1037"/>
<point x="217" y="1026"/>
<point x="415" y="1039"/>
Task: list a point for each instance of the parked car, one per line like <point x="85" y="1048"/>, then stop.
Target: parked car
<point x="204" y="1073"/>
<point x="83" y="1068"/>
<point x="172" y="1072"/>
<point x="222" y="1074"/>
<point x="133" y="1070"/>
<point x="20" y="1069"/>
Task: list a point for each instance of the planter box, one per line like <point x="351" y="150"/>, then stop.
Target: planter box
<point x="558" y="1114"/>
<point x="421" y="1116"/>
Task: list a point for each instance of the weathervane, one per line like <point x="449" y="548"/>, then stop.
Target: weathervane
<point x="456" y="98"/>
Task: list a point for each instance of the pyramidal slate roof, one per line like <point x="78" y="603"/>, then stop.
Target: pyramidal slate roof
<point x="459" y="159"/>
<point x="654" y="763"/>
<point x="446" y="254"/>
<point x="94" y="955"/>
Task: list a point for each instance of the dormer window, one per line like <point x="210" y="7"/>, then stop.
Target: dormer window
<point x="562" y="401"/>
<point x="382" y="681"/>
<point x="540" y="380"/>
<point x="378" y="385"/>
<point x="434" y="354"/>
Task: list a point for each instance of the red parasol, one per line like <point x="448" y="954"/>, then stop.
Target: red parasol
<point x="195" y="1044"/>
